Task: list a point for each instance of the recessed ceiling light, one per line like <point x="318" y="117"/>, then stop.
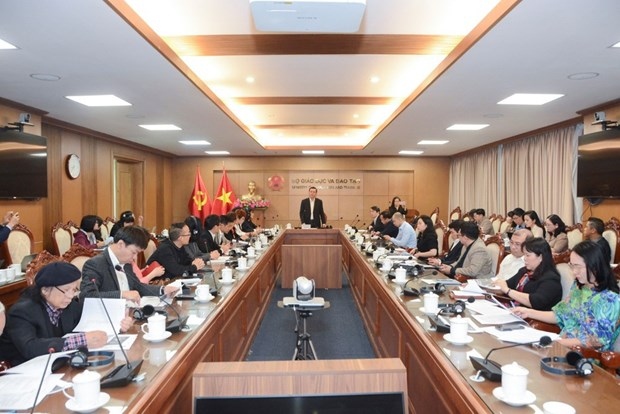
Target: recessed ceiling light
<point x="217" y="152"/>
<point x="196" y="142"/>
<point x="406" y="152"/>
<point x="616" y="45"/>
<point x="467" y="127"/>
<point x="6" y="45"/>
<point x="48" y="77"/>
<point x="375" y="79"/>
<point x="250" y="79"/>
<point x="530" y="99"/>
<point x="432" y="142"/>
<point x="313" y="152"/>
<point x="583" y="75"/>
<point x="356" y="116"/>
<point x="98" y="100"/>
<point x="161" y="127"/>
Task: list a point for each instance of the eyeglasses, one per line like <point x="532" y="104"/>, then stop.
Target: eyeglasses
<point x="72" y="292"/>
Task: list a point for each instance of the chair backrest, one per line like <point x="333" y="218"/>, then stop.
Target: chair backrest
<point x="109" y="223"/>
<point x="105" y="233"/>
<point x="78" y="255"/>
<point x="455" y="214"/>
<point x="574" y="234"/>
<point x="19" y="244"/>
<point x="441" y="237"/>
<point x="563" y="257"/>
<point x="503" y="227"/>
<point x="150" y="247"/>
<point x="567" y="278"/>
<point x="435" y="215"/>
<point x="495" y="248"/>
<point x="37" y="263"/>
<point x="73" y="228"/>
<point x="62" y="238"/>
<point x="497" y="222"/>
<point x="611" y="235"/>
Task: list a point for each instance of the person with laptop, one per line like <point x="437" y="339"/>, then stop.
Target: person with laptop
<point x="10" y="220"/>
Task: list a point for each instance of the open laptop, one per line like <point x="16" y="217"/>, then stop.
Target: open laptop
<point x="26" y="261"/>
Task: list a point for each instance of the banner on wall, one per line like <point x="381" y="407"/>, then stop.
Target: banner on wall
<point x="327" y="182"/>
<point x="199" y="204"/>
<point x="224" y="198"/>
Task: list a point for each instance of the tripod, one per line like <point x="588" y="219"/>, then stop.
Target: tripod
<point x="304" y="349"/>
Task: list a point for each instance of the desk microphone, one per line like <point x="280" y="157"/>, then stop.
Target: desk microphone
<point x="176" y="324"/>
<point x="491" y="370"/>
<point x="36" y="397"/>
<point x="123" y="374"/>
<point x="355" y="220"/>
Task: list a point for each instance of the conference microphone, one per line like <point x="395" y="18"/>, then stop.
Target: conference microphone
<point x="123" y="374"/>
<point x="36" y="397"/>
<point x="354" y="221"/>
<point x="491" y="370"/>
<point x="177" y="324"/>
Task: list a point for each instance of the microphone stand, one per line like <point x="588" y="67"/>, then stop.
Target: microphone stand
<point x="36" y="397"/>
<point x="177" y="324"/>
<point x="123" y="374"/>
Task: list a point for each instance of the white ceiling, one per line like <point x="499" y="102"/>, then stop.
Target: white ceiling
<point x="94" y="51"/>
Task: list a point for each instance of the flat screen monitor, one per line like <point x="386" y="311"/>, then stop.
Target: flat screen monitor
<point x="383" y="403"/>
<point x="23" y="165"/>
<point x="598" y="165"/>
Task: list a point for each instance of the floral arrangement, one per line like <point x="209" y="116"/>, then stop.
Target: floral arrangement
<point x="251" y="204"/>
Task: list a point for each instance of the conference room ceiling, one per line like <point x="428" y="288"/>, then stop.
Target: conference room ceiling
<point x="432" y="69"/>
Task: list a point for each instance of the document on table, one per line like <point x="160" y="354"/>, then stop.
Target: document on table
<point x="444" y="281"/>
<point x="35" y="365"/>
<point x="520" y="336"/>
<point x="487" y="313"/>
<point x="94" y="316"/>
<point x="17" y="391"/>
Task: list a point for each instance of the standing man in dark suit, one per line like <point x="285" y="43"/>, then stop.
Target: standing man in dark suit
<point x="112" y="271"/>
<point x="311" y="210"/>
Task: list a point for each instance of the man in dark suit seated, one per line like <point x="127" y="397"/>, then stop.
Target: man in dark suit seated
<point x="112" y="271"/>
<point x="389" y="229"/>
<point x="311" y="210"/>
<point x="376" y="224"/>
<point x="211" y="236"/>
<point x="173" y="257"/>
<point x="594" y="232"/>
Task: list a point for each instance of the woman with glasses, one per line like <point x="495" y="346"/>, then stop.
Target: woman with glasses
<point x="556" y="234"/>
<point x="538" y="284"/>
<point x="47" y="311"/>
<point x="590" y="315"/>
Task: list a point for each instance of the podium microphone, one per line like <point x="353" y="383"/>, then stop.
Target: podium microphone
<point x="36" y="397"/>
<point x="491" y="370"/>
<point x="123" y="374"/>
<point x="177" y="324"/>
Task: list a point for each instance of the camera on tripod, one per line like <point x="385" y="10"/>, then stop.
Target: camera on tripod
<point x="303" y="289"/>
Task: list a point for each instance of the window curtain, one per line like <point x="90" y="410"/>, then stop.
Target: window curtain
<point x="474" y="181"/>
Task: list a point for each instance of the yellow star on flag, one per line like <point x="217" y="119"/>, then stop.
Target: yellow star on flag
<point x="225" y="197"/>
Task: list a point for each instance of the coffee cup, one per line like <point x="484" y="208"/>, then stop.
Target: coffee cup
<point x="156" y="326"/>
<point x="202" y="291"/>
<point x="3" y="275"/>
<point x="514" y="381"/>
<point x="251" y="251"/>
<point x="258" y="245"/>
<point x="557" y="407"/>
<point x="368" y="246"/>
<point x="387" y="264"/>
<point x="458" y="328"/>
<point x="17" y="267"/>
<point x="10" y="274"/>
<point x="400" y="274"/>
<point x="242" y="262"/>
<point x="263" y="238"/>
<point x="289" y="226"/>
<point x="155" y="355"/>
<point x="227" y="274"/>
<point x="431" y="303"/>
<point x="376" y="255"/>
<point x="381" y="250"/>
<point x="86" y="388"/>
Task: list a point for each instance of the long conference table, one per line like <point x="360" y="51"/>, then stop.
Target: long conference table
<point x="437" y="372"/>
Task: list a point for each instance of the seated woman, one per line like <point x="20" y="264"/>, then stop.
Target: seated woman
<point x="556" y="234"/>
<point x="85" y="236"/>
<point x="537" y="285"/>
<point x="590" y="315"/>
<point x="397" y="206"/>
<point x="240" y="216"/>
<point x="532" y="222"/>
<point x="248" y="225"/>
<point x="47" y="311"/>
<point x="427" y="238"/>
<point x="126" y="219"/>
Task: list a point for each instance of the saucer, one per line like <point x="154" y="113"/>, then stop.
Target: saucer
<point x="226" y="282"/>
<point x="205" y="300"/>
<point x="243" y="269"/>
<point x="527" y="399"/>
<point x="251" y="256"/>
<point x="101" y="401"/>
<point x="463" y="341"/>
<point x="151" y="338"/>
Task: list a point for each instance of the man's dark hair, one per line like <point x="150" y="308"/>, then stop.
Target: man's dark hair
<point x="596" y="224"/>
<point x="313" y="188"/>
<point x="386" y="214"/>
<point x="470" y="230"/>
<point x="136" y="235"/>
<point x="456" y="225"/>
<point x="176" y="229"/>
<point x="375" y="208"/>
<point x="480" y="212"/>
<point x="225" y="219"/>
<point x="212" y="221"/>
<point x="518" y="212"/>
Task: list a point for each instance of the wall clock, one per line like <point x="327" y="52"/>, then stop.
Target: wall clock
<point x="73" y="166"/>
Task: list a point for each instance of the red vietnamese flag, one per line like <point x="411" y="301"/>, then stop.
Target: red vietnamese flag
<point x="199" y="204"/>
<point x="224" y="198"/>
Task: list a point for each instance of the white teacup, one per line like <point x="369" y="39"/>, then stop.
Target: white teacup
<point x="387" y="264"/>
<point x="156" y="325"/>
<point x="258" y="245"/>
<point x="86" y="388"/>
<point x="17" y="267"/>
<point x="431" y="303"/>
<point x="381" y="250"/>
<point x="202" y="292"/>
<point x="251" y="251"/>
<point x="263" y="238"/>
<point x="458" y="328"/>
<point x="242" y="262"/>
<point x="10" y="274"/>
<point x="556" y="407"/>
<point x="227" y="274"/>
<point x="289" y="226"/>
<point x="514" y="381"/>
<point x="156" y="356"/>
<point x="400" y="274"/>
<point x="3" y="275"/>
<point x="375" y="255"/>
